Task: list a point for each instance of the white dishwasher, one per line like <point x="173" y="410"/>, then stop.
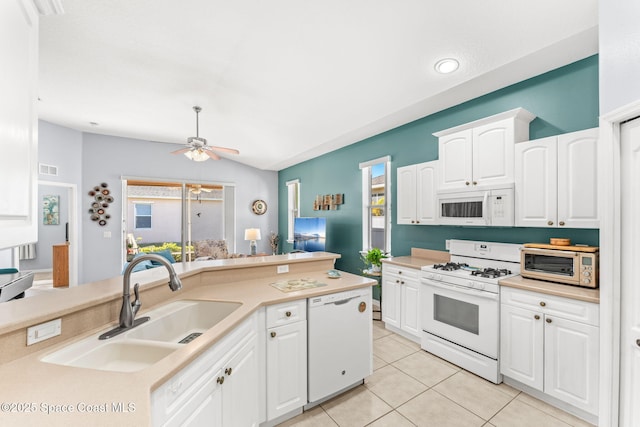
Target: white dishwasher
<point x="340" y="345"/>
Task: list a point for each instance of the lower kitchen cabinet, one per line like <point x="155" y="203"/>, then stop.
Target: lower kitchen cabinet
<point x="217" y="389"/>
<point x="400" y="299"/>
<point x="551" y="344"/>
<point x="286" y="353"/>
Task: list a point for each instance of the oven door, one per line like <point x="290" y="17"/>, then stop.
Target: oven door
<point x="467" y="317"/>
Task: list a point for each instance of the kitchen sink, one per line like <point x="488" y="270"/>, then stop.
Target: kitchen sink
<point x="171" y="326"/>
<point x="182" y="321"/>
<point x="120" y="356"/>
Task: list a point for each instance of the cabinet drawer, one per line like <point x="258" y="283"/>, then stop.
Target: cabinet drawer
<point x="567" y="308"/>
<point x="287" y="312"/>
<point x="411" y="273"/>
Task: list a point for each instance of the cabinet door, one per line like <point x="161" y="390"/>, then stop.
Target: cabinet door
<point x="493" y="146"/>
<point x="456" y="160"/>
<point x="426" y="185"/>
<point x="536" y="183"/>
<point x="571" y="362"/>
<point x="410" y="307"/>
<point x="391" y="300"/>
<point x="521" y="345"/>
<point x="204" y="408"/>
<point x="406" y="195"/>
<point x="18" y="122"/>
<point x="578" y="179"/>
<point x="239" y="391"/>
<point x="286" y="369"/>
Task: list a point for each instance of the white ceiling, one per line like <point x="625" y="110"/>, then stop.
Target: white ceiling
<point x="287" y="80"/>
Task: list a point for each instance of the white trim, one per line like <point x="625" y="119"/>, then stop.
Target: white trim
<point x="610" y="268"/>
<point x="385" y="159"/>
<point x="293" y="181"/>
<point x="175" y="180"/>
<point x="516" y="113"/>
<point x="74" y="250"/>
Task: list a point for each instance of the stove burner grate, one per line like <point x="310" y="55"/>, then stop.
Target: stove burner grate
<point x="491" y="272"/>
<point x="450" y="266"/>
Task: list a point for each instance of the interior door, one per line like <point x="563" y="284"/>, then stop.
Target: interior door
<point x="630" y="283"/>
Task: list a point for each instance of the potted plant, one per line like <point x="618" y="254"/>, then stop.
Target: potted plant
<point x="374" y="258"/>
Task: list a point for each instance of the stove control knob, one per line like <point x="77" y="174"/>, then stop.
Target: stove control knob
<point x="438" y="277"/>
<point x="470" y="284"/>
<point x="430" y="275"/>
<point x="480" y="286"/>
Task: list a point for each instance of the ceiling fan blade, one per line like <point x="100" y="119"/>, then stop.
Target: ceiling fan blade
<point x="224" y="149"/>
<point x="211" y="154"/>
<point x="181" y="151"/>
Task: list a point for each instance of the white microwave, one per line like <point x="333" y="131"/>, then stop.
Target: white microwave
<point x="488" y="206"/>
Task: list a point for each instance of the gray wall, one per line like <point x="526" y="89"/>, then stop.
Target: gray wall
<point x="108" y="158"/>
<point x="619" y="53"/>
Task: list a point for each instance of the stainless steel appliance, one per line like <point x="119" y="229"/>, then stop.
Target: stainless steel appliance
<point x="461" y="305"/>
<point x="493" y="206"/>
<point x="340" y="342"/>
<point x="571" y="265"/>
<point x="12" y="286"/>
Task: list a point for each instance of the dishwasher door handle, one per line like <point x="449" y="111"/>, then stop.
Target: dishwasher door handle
<point x="342" y="301"/>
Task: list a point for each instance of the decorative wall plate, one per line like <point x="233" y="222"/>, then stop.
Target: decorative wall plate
<point x="259" y="207"/>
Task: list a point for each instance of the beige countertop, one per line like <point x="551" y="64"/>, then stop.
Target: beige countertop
<point x="568" y="291"/>
<point x="419" y="258"/>
<point x="67" y="392"/>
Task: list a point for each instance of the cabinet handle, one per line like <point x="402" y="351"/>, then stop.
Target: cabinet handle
<point x="220" y="380"/>
<point x="542" y="303"/>
<point x="537" y="317"/>
<point x="413" y="222"/>
<point x="561" y="222"/>
<point x="228" y="371"/>
<point x="288" y="314"/>
<point x="399" y="272"/>
<point x="475" y="182"/>
<point x="548" y="320"/>
<point x="638" y="343"/>
<point x="466" y="183"/>
<point x="273" y="334"/>
<point x="417" y="222"/>
<point x="397" y="281"/>
<point x="549" y="222"/>
<point x="402" y="282"/>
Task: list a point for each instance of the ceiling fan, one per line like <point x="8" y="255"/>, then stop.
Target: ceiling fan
<point x="197" y="148"/>
<point x="198" y="188"/>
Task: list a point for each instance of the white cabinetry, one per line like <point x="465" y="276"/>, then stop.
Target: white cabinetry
<point x="286" y="358"/>
<point x="481" y="153"/>
<point x="217" y="389"/>
<point x="400" y="300"/>
<point x="417" y="193"/>
<point x="556" y="181"/>
<point x="18" y="122"/>
<point x="551" y="344"/>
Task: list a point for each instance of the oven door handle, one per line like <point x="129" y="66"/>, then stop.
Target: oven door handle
<point x="463" y="290"/>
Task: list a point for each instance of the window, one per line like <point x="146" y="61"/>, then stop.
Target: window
<point x="142" y="215"/>
<point x="293" y="206"/>
<point x="376" y="202"/>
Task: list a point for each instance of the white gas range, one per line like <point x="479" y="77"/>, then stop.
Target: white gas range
<point x="461" y="304"/>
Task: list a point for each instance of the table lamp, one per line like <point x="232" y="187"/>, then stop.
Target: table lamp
<point x="252" y="234"/>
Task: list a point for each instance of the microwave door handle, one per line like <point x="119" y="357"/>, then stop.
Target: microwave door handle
<point x="485" y="208"/>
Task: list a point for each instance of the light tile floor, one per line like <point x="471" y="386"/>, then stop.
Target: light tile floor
<point x="410" y="387"/>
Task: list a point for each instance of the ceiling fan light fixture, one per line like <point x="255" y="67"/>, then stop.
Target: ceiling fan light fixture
<point x="197" y="155"/>
<point x="447" y="65"/>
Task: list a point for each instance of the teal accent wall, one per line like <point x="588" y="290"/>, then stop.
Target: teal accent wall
<point x="564" y="100"/>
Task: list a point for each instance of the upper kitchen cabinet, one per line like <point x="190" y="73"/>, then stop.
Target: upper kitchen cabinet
<point x="417" y="193"/>
<point x="556" y="181"/>
<point x="481" y="153"/>
<point x="18" y="122"/>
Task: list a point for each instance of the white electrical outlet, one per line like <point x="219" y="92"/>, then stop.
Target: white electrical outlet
<point x="447" y="244"/>
<point x="106" y="234"/>
<point x="44" y="331"/>
<point x="283" y="269"/>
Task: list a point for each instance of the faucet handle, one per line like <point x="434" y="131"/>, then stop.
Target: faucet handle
<point x="135" y="305"/>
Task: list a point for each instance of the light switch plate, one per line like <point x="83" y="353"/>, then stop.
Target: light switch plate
<point x="447" y="244"/>
<point x="283" y="269"/>
<point x="44" y="331"/>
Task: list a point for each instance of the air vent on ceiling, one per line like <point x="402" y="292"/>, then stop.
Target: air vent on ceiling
<point x="48" y="170"/>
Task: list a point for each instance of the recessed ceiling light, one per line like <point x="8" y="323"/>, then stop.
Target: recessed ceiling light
<point x="447" y="65"/>
<point x="93" y="123"/>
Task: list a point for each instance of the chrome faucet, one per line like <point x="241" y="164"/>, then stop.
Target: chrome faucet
<point x="130" y="309"/>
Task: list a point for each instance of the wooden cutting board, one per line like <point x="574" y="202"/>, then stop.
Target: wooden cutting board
<point x="562" y="248"/>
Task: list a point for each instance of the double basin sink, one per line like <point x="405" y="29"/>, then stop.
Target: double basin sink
<point x="171" y="327"/>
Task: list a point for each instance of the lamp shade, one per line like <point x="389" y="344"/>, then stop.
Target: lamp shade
<point x="252" y="234"/>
